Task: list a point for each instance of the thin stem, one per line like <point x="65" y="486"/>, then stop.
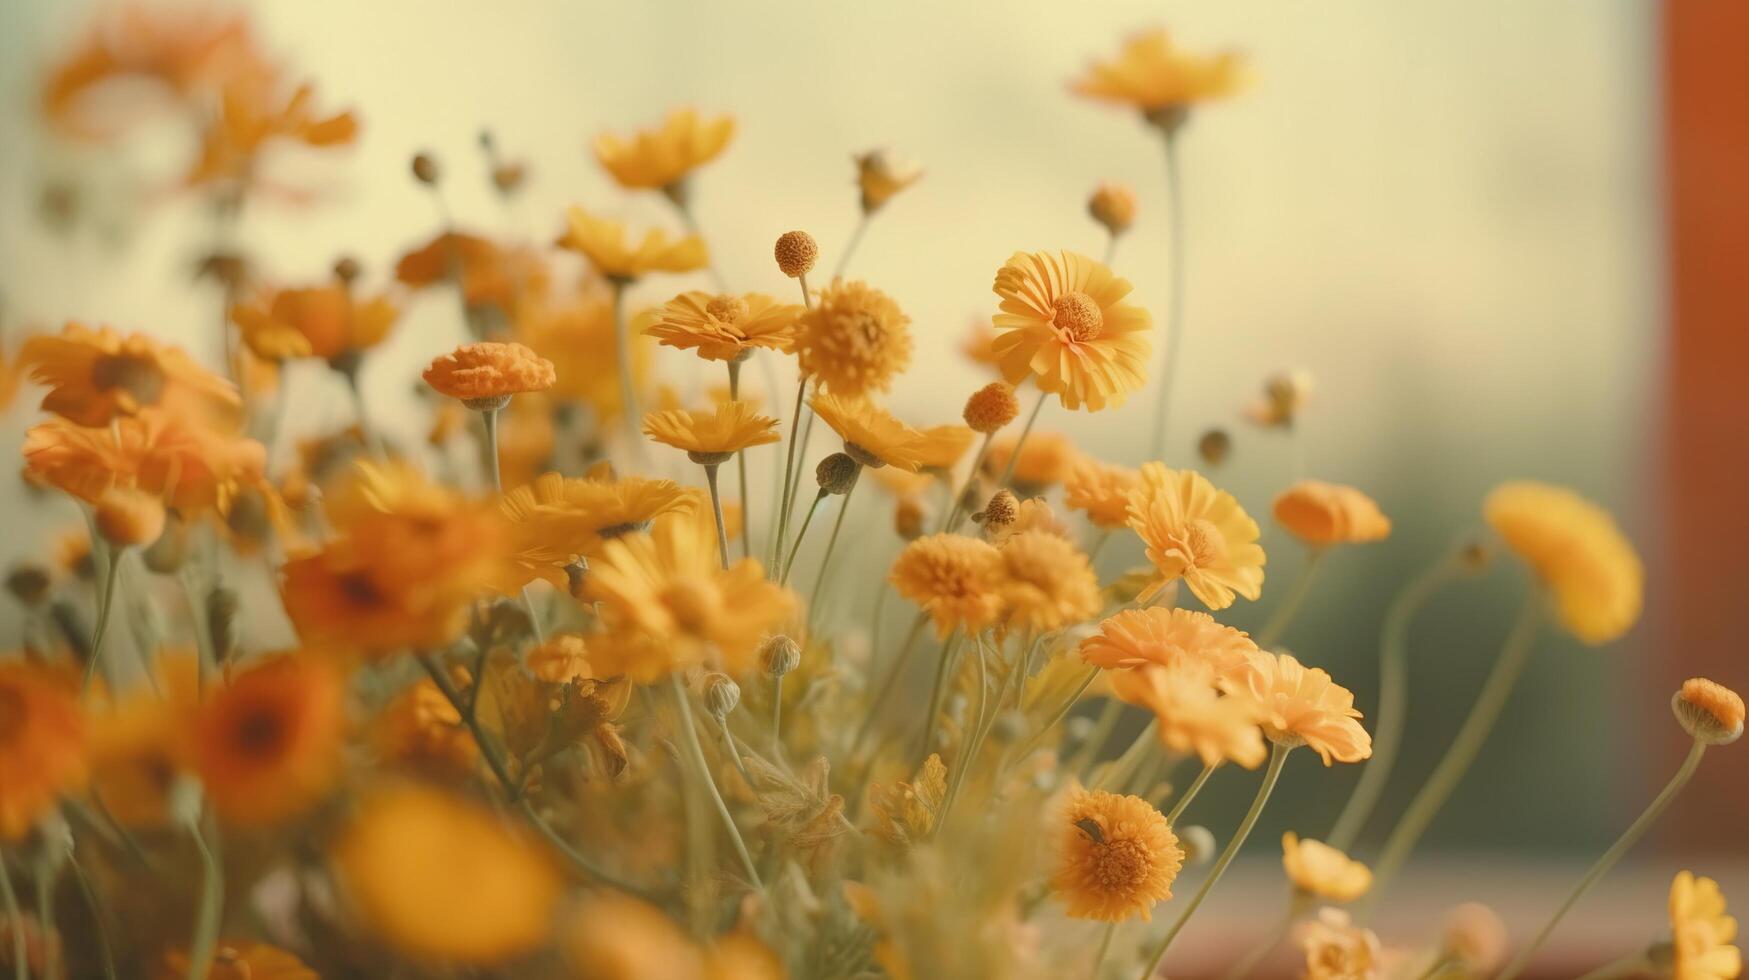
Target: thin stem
<point x="366" y="430"/>
<point x="1514" y="654"/>
<point x="1110" y="250"/>
<point x="1290" y="604"/>
<point x="1104" y="946"/>
<point x="488" y="748"/>
<point x="695" y="750"/>
<point x="1277" y="756"/>
<point x="45" y="914"/>
<point x="1189" y="794"/>
<point x="1057" y="716"/>
<point x="789" y="563"/>
<point x="20" y="955"/>
<point x="795" y="482"/>
<point x="212" y="903"/>
<point x="571" y="854"/>
<point x="1393" y="699"/>
<point x="969" y="746"/>
<point x="1170" y="347"/>
<point x="958" y="508"/>
<point x="906" y="650"/>
<point x="789" y="465"/>
<point x="1626" y="966"/>
<point x="1623" y="844"/>
<point x="100" y="925"/>
<point x="105" y="607"/>
<point x="1117" y="772"/>
<point x="1102" y="727"/>
<point x="741" y="469"/>
<point x="802" y="281"/>
<point x="937" y="694"/>
<point x="850" y="245"/>
<point x="622" y="349"/>
<point x="831" y="544"/>
<point x="777" y="716"/>
<point x="710" y="479"/>
<point x="734" y="750"/>
<point x="1014" y="454"/>
<point x="489" y="417"/>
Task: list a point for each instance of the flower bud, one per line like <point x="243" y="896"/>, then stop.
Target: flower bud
<point x="167" y="555"/>
<point x="222" y="605"/>
<point x="991" y="407"/>
<point x="1114" y="206"/>
<point x="836" y="474"/>
<point x="779" y="655"/>
<point x="796" y="253"/>
<point x="1000" y="512"/>
<point x="909" y="517"/>
<point x="28" y="583"/>
<point x="1215" y="446"/>
<point x="721" y="695"/>
<point x="1198" y="843"/>
<point x="425" y="169"/>
<point x="880" y="175"/>
<point x="1708" y="711"/>
<point x="129" y="517"/>
<point x="347" y="270"/>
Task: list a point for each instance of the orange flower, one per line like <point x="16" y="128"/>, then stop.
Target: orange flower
<point x="1305" y="707"/>
<point x="576" y="333"/>
<point x="1152" y="75"/>
<point x="489" y="372"/>
<point x="724" y="328"/>
<point x="191" y="467"/>
<point x="1166" y="638"/>
<point x="560" y="519"/>
<point x="854" y="340"/>
<point x="242" y="960"/>
<point x="1101" y="490"/>
<point x="141" y="743"/>
<point x="1065" y="325"/>
<point x="611" y="936"/>
<point x="871" y="435"/>
<point x="1046" y="459"/>
<point x="420" y="729"/>
<point x="267" y="745"/>
<point x="1117" y="857"/>
<point x="1320" y="513"/>
<point x="253" y="116"/>
<point x="1576" y="549"/>
<point x="94" y="376"/>
<point x="489" y="275"/>
<point x="603" y="242"/>
<point x="712" y="436"/>
<point x="1047" y="583"/>
<point x="1318" y="869"/>
<point x="955" y="579"/>
<point x="661" y="158"/>
<point x="320" y="321"/>
<point x="1197" y="533"/>
<point x="42" y="746"/>
<point x="1190" y="714"/>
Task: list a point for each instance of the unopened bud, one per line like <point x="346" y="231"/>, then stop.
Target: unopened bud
<point x="779" y="655"/>
<point x="1114" y="206"/>
<point x="222" y="605"/>
<point x="721" y="695"/>
<point x="991" y="407"/>
<point x="1215" y="446"/>
<point x="347" y="270"/>
<point x="425" y="169"/>
<point x="28" y="583"/>
<point x="1708" y="711"/>
<point x="909" y="517"/>
<point x="836" y="474"/>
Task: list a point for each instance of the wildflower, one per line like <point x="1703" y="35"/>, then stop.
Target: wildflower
<point x="560" y="660"/>
<point x="1316" y="868"/>
<point x="576" y="333"/>
<point x="1285" y="394"/>
<point x="441" y="878"/>
<point x="854" y="340"/>
<point x="1101" y="491"/>
<point x="192" y="467"/>
<point x="779" y="656"/>
<point x="1191" y="716"/>
<point x="1153" y="75"/>
<point x="1117" y="857"/>
<point x="1166" y="638"/>
<point x="420" y="729"/>
<point x="1577" y="551"/>
<point x="943" y="445"/>
<point x="1113" y="205"/>
<point x="1048" y="583"/>
<point x="610" y="936"/>
<point x="1195" y="532"/>
<point x="726" y="327"/>
<point x="242" y="960"/>
<point x="837" y="474"/>
<point x="267" y="745"/>
<point x="1708" y="711"/>
<point x="1336" y="949"/>
<point x="1045" y="460"/>
<point x="716" y="435"/>
<point x="953" y="578"/>
<point x="1065" y="325"/>
<point x="129" y="517"/>
<point x="662" y="158"/>
<point x="561" y="519"/>
<point x="1701" y="932"/>
<point x="1305" y="707"/>
<point x="905" y="812"/>
<point x="477" y="374"/>
<point x="880" y="175"/>
<point x="1474" y="938"/>
<point x="42" y="746"/>
<point x="489" y="275"/>
<point x="603" y="242"/>
<point x="666" y="590"/>
<point x="94" y="376"/>
<point x="871" y="435"/>
<point x="1320" y="513"/>
<point x="325" y="322"/>
<point x="991" y="407"/>
<point x="796" y="252"/>
<point x="253" y="116"/>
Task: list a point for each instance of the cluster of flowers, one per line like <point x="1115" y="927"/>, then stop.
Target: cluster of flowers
<point x="577" y="722"/>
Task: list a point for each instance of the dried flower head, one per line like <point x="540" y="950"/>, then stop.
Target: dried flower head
<point x="854" y="340"/>
<point x="1113" y="205"/>
<point x="1576" y="549"/>
<point x="1065" y="325"/>
<point x="991" y="407"/>
<point x="796" y="253"/>
<point x="880" y="175"/>
<point x="1708" y="711"/>
<point x="487" y="373"/>
<point x="421" y="730"/>
<point x="1195" y="532"/>
<point x="953" y="578"/>
<point x="1320" y="513"/>
<point x="1117" y="857"/>
<point x="1316" y="868"/>
<point x="999" y="513"/>
<point x="779" y="655"/>
<point x="837" y="473"/>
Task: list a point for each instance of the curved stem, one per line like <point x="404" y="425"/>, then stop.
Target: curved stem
<point x="1189" y="794"/>
<point x="1057" y="716"/>
<point x="1393" y="701"/>
<point x="1623" y="844"/>
<point x="1290" y="604"/>
<point x="831" y="545"/>
<point x="789" y="466"/>
<point x="1173" y="339"/>
<point x="1117" y="772"/>
<point x="701" y="767"/>
<point x="710" y="479"/>
<point x="1104" y="941"/>
<point x="20" y="955"/>
<point x="1102" y="726"/>
<point x="1514" y="654"/>
<point x="789" y="563"/>
<point x="1277" y="756"/>
<point x="489" y="418"/>
<point x="105" y="607"/>
<point x="212" y="904"/>
<point x="1014" y="454"/>
<point x="969" y="746"/>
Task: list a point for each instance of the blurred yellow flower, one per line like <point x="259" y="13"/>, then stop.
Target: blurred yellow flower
<point x="1195" y="532"/>
<point x="1047" y="582"/>
<point x="943" y="446"/>
<point x="1320" y="513"/>
<point x="1285" y="394"/>
<point x="489" y="372"/>
<point x="854" y="340"/>
<point x="1116" y="858"/>
<point x="1113" y="205"/>
<point x="1575" y="548"/>
<point x="1102" y="491"/>
<point x="1337" y="949"/>
<point x="94" y="376"/>
<point x="191" y="466"/>
<point x="141" y="743"/>
<point x="880" y="175"/>
<point x="730" y="428"/>
<point x="253" y="115"/>
<point x="560" y="660"/>
<point x="953" y="578"/>
<point x="603" y="242"/>
<point x="660" y="158"/>
<point x="42" y="745"/>
<point x="241" y="960"/>
<point x="1166" y="638"/>
<point x="1303" y="706"/>
<point x="1046" y="459"/>
<point x="1191" y="716"/>
<point x="559" y="519"/>
<point x="1153" y="74"/>
<point x="419" y="729"/>
<point x="1316" y="868"/>
<point x="267" y="745"/>
<point x="327" y="322"/>
<point x="489" y="275"/>
<point x="441" y="878"/>
<point x="576" y="333"/>
<point x="726" y="327"/>
<point x="872" y="436"/>
<point x="1701" y="932"/>
<point x="610" y="936"/>
<point x="1064" y="324"/>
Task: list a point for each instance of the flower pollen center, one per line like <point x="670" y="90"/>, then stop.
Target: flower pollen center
<point x="727" y="309"/>
<point x="1078" y="316"/>
<point x="1120" y="864"/>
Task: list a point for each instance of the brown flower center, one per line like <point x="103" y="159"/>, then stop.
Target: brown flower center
<point x="727" y="309"/>
<point x="360" y="590"/>
<point x="139" y="377"/>
<point x="1120" y="865"/>
<point x="1078" y="316"/>
<point x="260" y="733"/>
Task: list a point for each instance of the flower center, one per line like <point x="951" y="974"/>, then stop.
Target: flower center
<point x="139" y="377"/>
<point x="727" y="309"/>
<point x="1078" y="316"/>
<point x="692" y="603"/>
<point x="260" y="733"/>
<point x="1200" y="544"/>
<point x="1120" y="864"/>
<point x="360" y="590"/>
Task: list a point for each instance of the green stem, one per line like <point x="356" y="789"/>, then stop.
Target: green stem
<point x="45" y="915"/>
<point x="897" y="670"/>
<point x="1277" y="756"/>
<point x="1014" y="455"/>
<point x="734" y="750"/>
<point x="741" y="469"/>
<point x="789" y="467"/>
<point x="831" y="543"/>
<point x="1117" y="772"/>
<point x="99" y="923"/>
<point x="212" y="905"/>
<point x="937" y="694"/>
<point x="957" y="509"/>
<point x="630" y="417"/>
<point x="789" y="563"/>
<point x="969" y="746"/>
<point x="1096" y="739"/>
<point x="20" y="954"/>
<point x="1104" y="943"/>
<point x="777" y="716"/>
<point x="105" y="606"/>
<point x="1623" y="844"/>
<point x="850" y="245"/>
<point x="1173" y="338"/>
<point x="710" y="479"/>
<point x="1057" y="716"/>
<point x="701" y="768"/>
<point x="1290" y="605"/>
<point x="1514" y="654"/>
<point x="1189" y="794"/>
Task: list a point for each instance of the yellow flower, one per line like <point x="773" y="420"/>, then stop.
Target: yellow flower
<point x="880" y="175"/>
<point x="421" y="730"/>
<point x="1113" y="205"/>
<point x="267" y="745"/>
<point x="1303" y="706"/>
<point x="1047" y="583"/>
<point x="943" y="445"/>
<point x="1709" y="711"/>
<point x="1102" y="491"/>
<point x="94" y="376"/>
<point x="657" y="159"/>
<point x="241" y="960"/>
<point x="489" y="372"/>
<point x="1065" y="325"/>
<point x="191" y="466"/>
<point x="1316" y="868"/>
<point x="1337" y="949"/>
<point x="560" y="660"/>
<point x="1195" y="532"/>
<point x="1167" y="638"/>
<point x="1046" y="459"/>
<point x="610" y="936"/>
<point x="254" y="113"/>
<point x="1320" y="513"/>
<point x="321" y="321"/>
<point x="560" y="519"/>
<point x="726" y="327"/>
<point x="441" y="878"/>
<point x="953" y="578"/>
<point x="488" y="275"/>
<point x="1151" y="74"/>
<point x="673" y="606"/>
<point x="42" y="746"/>
<point x="1117" y="857"/>
<point x="871" y="435"/>
<point x="854" y="341"/>
<point x="712" y="436"/>
<point x="603" y="242"/>
<point x="141" y="743"/>
<point x="1191" y="716"/>
<point x="1701" y="932"/>
<point x="576" y="333"/>
<point x="1575" y="548"/>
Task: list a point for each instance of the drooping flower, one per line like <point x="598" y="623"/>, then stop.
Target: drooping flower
<point x="1708" y="711"/>
<point x="441" y="878"/>
<point x="267" y="745"/>
<point x="1701" y="932"/>
<point x="490" y="371"/>
<point x="95" y="376"/>
<point x="1046" y="459"/>
<point x="1195" y="532"/>
<point x="1154" y="75"/>
<point x="1047" y="582"/>
<point x="1577" y="551"/>
<point x="953" y="578"/>
<point x="1337" y="949"/>
<point x="42" y="746"/>
<point x="730" y="428"/>
<point x="241" y="959"/>
<point x="662" y="158"/>
<point x="1064" y="324"/>
<point x="1304" y="707"/>
<point x="854" y="340"/>
<point x="603" y="242"/>
<point x="880" y="175"/>
<point x="943" y="445"/>
<point x="726" y="327"/>
<point x="326" y="322"/>
<point x="1101" y="491"/>
<point x="1321" y="514"/>
<point x="1191" y="716"/>
<point x="1167" y="638"/>
<point x="872" y="436"/>
<point x="254" y="114"/>
<point x="560" y="519"/>
<point x="1117" y="857"/>
<point x="1316" y="868"/>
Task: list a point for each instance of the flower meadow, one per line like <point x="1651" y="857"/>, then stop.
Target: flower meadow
<point x="602" y="680"/>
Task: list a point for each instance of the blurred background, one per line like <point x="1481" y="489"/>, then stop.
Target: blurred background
<point x="1505" y="239"/>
